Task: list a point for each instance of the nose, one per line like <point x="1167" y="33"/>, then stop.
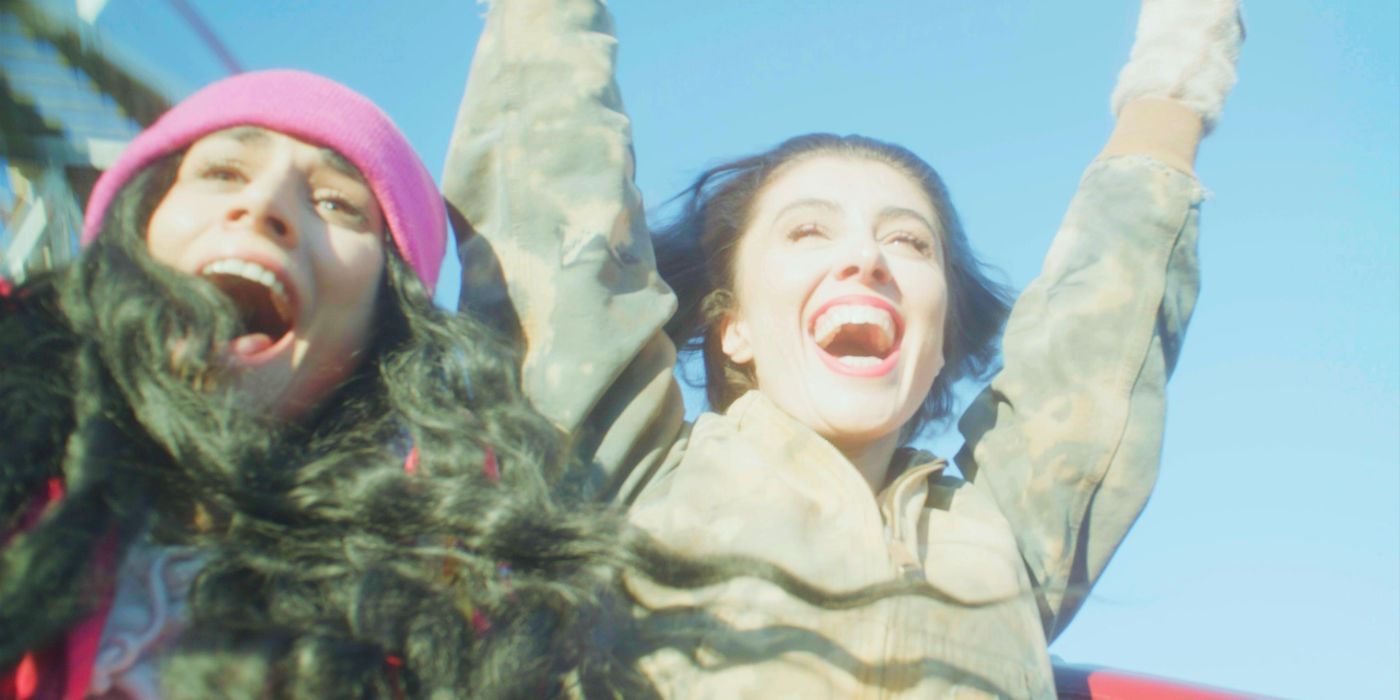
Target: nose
<point x="267" y="205"/>
<point x="864" y="261"/>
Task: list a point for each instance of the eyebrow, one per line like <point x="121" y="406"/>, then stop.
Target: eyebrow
<point x="885" y="214"/>
<point x="808" y="203"/>
<point x="257" y="135"/>
<point x="251" y="135"/>
<point x="338" y="163"/>
<point x="902" y="212"/>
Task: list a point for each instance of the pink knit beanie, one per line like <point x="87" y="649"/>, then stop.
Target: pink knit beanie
<point x="313" y="109"/>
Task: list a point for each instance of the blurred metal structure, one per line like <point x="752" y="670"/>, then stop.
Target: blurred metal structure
<point x="69" y="103"/>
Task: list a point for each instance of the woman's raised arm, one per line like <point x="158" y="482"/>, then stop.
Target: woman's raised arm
<point x="541" y="167"/>
<point x="1068" y="436"/>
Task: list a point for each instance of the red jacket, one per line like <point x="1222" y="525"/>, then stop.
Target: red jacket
<point x="63" y="670"/>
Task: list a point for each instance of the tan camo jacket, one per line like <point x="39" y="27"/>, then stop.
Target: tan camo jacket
<point x="1062" y="448"/>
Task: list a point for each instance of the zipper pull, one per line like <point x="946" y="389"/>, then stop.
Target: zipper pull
<point x="909" y="567"/>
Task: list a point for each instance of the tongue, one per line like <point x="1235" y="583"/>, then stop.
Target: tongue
<point x="250" y="344"/>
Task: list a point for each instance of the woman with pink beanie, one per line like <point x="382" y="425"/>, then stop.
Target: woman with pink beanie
<point x="252" y="264"/>
<point x="246" y="455"/>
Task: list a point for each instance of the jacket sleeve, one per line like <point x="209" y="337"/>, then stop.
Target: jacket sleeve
<point x="1068" y="435"/>
<point x="541" y="167"/>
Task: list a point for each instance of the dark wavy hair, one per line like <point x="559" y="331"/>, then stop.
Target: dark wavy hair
<point x="331" y="571"/>
<point x="696" y="254"/>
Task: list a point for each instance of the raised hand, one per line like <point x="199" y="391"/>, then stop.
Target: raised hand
<point x="1186" y="51"/>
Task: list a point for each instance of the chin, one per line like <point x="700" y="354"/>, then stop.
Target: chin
<point x="851" y="425"/>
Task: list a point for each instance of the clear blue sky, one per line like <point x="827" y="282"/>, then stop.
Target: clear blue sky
<point x="1269" y="557"/>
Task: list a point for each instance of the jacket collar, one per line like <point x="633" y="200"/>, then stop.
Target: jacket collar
<point x="756" y="414"/>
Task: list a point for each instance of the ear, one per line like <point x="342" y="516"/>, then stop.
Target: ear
<point x="735" y="340"/>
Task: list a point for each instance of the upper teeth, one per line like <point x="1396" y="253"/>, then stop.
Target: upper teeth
<point x="248" y="270"/>
<point x="831" y="321"/>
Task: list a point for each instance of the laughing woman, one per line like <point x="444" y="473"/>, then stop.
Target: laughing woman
<point x="836" y="301"/>
<point x="246" y="456"/>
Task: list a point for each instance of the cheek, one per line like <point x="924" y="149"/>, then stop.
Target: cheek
<point x="748" y="284"/>
<point x="774" y="287"/>
<point x="357" y="263"/>
<point x="939" y="315"/>
<point x="926" y="295"/>
<point x="360" y="294"/>
<point x="169" y="232"/>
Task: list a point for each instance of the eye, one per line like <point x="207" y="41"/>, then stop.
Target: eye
<point x="914" y="241"/>
<point x="221" y="171"/>
<point x="808" y="232"/>
<point x="339" y="206"/>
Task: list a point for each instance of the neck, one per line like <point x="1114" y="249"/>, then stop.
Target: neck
<point x="872" y="458"/>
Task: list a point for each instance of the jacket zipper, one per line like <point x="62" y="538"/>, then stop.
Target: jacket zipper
<point x="901" y="553"/>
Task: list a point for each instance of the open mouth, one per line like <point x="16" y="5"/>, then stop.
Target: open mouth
<point x="856" y="336"/>
<point x="263" y="305"/>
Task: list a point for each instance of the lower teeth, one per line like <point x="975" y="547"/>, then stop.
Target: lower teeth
<point x="858" y="360"/>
